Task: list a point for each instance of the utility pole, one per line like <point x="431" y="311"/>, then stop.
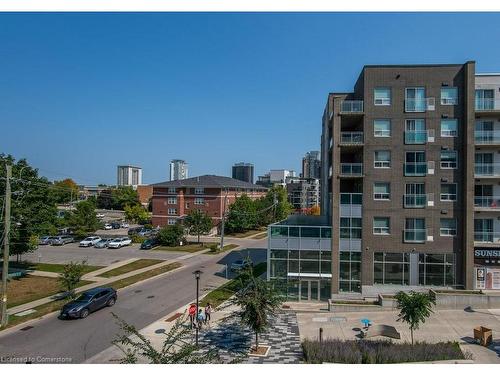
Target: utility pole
<point x="222" y="224"/>
<point x="5" y="270"/>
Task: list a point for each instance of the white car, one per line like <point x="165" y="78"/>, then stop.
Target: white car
<point x="119" y="242"/>
<point x="89" y="241"/>
<point x="108" y="226"/>
<point x="125" y="225"/>
<point x="99" y="216"/>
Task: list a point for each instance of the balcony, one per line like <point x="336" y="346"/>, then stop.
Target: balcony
<point x="351" y="106"/>
<point x="487" y="137"/>
<point x="487" y="170"/>
<point x="416" y="137"/>
<point x="487" y="203"/>
<point x="414" y="200"/>
<point x="415" y="235"/>
<point x="487" y="237"/>
<point x="488" y="105"/>
<point x="351" y="169"/>
<point x="420" y="105"/>
<point x="351" y="138"/>
<point x="415" y="169"/>
<point x="351" y="204"/>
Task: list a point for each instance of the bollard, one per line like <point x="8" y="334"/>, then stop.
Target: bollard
<point x="321" y="335"/>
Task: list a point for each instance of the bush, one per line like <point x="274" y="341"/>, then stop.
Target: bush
<point x="171" y="235"/>
<point x="137" y="239"/>
<point x="365" y="351"/>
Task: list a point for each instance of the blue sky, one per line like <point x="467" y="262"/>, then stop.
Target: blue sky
<point x="82" y="93"/>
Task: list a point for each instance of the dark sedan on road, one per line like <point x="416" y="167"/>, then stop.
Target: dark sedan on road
<point x="88" y="302"/>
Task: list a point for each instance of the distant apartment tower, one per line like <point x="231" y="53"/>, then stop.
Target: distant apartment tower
<point x="128" y="175"/>
<point x="178" y="170"/>
<point x="243" y="172"/>
<point x="303" y="193"/>
<point x="311" y="165"/>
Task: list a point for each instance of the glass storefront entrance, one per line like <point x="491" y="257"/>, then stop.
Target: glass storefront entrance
<point x="309" y="290"/>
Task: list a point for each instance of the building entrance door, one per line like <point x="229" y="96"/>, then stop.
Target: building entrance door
<point x="309" y="290"/>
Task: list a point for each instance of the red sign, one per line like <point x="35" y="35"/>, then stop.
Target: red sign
<point x="192" y="310"/>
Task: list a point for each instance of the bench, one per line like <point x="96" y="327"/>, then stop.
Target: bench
<point x="381" y="330"/>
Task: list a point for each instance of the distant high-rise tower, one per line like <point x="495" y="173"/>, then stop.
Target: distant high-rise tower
<point x="243" y="172"/>
<point x="311" y="165"/>
<point x="178" y="170"/>
<point x="128" y="175"/>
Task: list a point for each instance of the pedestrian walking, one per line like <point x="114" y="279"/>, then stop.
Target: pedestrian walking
<point x="208" y="312"/>
<point x="200" y="318"/>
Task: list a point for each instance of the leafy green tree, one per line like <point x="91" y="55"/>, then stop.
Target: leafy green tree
<point x="65" y="191"/>
<point x="137" y="214"/>
<point x="103" y="200"/>
<point x="258" y="301"/>
<point x="198" y="222"/>
<point x="171" y="235"/>
<point x="70" y="277"/>
<point x="414" y="308"/>
<point x="33" y="208"/>
<point x="277" y="198"/>
<point x="242" y="215"/>
<point x="124" y="196"/>
<point x="83" y="219"/>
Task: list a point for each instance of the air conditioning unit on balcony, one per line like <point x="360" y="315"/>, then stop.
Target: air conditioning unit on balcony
<point x="431" y="104"/>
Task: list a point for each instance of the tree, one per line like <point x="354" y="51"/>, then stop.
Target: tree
<point x="242" y="215"/>
<point x="84" y="219"/>
<point x="414" y="308"/>
<point x="177" y="347"/>
<point x="124" y="196"/>
<point x="70" y="277"/>
<point x="171" y="235"/>
<point x="137" y="214"/>
<point x="258" y="302"/>
<point x="65" y="191"/>
<point x="198" y="222"/>
<point x="274" y="206"/>
<point x="33" y="208"/>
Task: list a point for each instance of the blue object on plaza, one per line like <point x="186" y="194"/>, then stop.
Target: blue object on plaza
<point x="366" y="322"/>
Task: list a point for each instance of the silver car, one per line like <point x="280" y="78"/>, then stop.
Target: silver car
<point x="62" y="240"/>
<point x="46" y="240"/>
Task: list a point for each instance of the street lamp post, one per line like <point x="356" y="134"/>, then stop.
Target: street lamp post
<point x="197" y="275"/>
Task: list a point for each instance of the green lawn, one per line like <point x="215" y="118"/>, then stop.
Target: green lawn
<point x="191" y="247"/>
<point x="48" y="267"/>
<point x="246" y="234"/>
<point x="140" y="263"/>
<point x="224" y="292"/>
<point x="260" y="236"/>
<point x="144" y="275"/>
<point x="226" y="248"/>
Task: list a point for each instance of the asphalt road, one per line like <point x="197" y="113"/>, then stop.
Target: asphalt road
<point x="140" y="305"/>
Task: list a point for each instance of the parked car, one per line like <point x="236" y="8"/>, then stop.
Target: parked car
<point x="62" y="240"/>
<point x="88" y="302"/>
<point x="240" y="265"/>
<point x="46" y="240"/>
<point x="89" y="241"/>
<point x="135" y="230"/>
<point x="149" y="243"/>
<point x="103" y="243"/>
<point x="144" y="232"/>
<point x="125" y="225"/>
<point x="116" y="243"/>
<point x="108" y="226"/>
<point x="115" y="225"/>
<point x="99" y="216"/>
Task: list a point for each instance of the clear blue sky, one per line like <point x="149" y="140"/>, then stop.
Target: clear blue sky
<point x="81" y="93"/>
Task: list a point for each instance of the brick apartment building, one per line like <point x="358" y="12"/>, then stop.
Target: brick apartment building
<point x="173" y="200"/>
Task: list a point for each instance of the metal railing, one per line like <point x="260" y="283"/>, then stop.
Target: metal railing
<point x="487" y="202"/>
<point x="415" y="235"/>
<point x="415" y="137"/>
<point x="351" y="138"/>
<point x="487" y="137"/>
<point x="415" y="200"/>
<point x="416" y="169"/>
<point x="420" y="105"/>
<point x="449" y="101"/>
<point x="487" y="169"/>
<point x="351" y="106"/>
<point x="489" y="237"/>
<point x="489" y="104"/>
<point x="351" y="169"/>
<point x="382" y="101"/>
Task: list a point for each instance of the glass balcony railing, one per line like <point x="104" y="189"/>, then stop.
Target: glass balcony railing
<point x="415" y="235"/>
<point x="351" y="198"/>
<point x="487" y="202"/>
<point x="487" y="169"/>
<point x="415" y="137"/>
<point x="489" y="104"/>
<point x="419" y="105"/>
<point x="351" y="138"/>
<point x="415" y="200"/>
<point x="488" y="237"/>
<point x="351" y="106"/>
<point x="416" y="169"/>
<point x="351" y="169"/>
<point x="487" y="137"/>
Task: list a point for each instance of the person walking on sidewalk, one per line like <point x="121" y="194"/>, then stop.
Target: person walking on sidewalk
<point x="192" y="315"/>
<point x="200" y="318"/>
<point x="208" y="312"/>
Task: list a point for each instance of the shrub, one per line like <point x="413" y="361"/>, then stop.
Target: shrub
<point x="137" y="239"/>
<point x="171" y="235"/>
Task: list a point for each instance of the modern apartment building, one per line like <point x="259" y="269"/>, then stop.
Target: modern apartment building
<point x="276" y="177"/>
<point x="128" y="175"/>
<point x="243" y="172"/>
<point x="178" y="170"/>
<point x="173" y="200"/>
<point x="303" y="193"/>
<point x="311" y="165"/>
<point x="410" y="185"/>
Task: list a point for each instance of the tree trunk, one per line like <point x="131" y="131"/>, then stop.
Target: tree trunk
<point x="411" y="332"/>
<point x="256" y="341"/>
<point x="198" y="237"/>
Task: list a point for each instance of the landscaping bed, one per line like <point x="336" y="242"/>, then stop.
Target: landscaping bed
<point x="138" y="264"/>
<point x="190" y="247"/>
<point x="368" y="351"/>
<point x="214" y="250"/>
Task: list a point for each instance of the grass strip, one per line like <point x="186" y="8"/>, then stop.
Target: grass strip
<point x="138" y="264"/>
<point x="188" y="248"/>
<point x="214" y="250"/>
<point x="260" y="236"/>
<point x="48" y="267"/>
<point x="248" y="233"/>
<point x="143" y="276"/>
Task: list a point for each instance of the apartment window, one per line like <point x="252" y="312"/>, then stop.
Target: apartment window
<point x="172" y="211"/>
<point x="415" y="131"/>
<point x="171" y="190"/>
<point x="484" y="134"/>
<point x="199" y="201"/>
<point x="415" y="100"/>
<point x="381" y="225"/>
<point x="436" y="269"/>
<point x="350" y="271"/>
<point x="448" y="227"/>
<point x="449" y="95"/>
<point x="414" y="230"/>
<point x="382" y="159"/>
<point x="172" y="221"/>
<point x="199" y="190"/>
<point x="415" y="196"/>
<point x="391" y="268"/>
<point x="448" y="192"/>
<point x="382" y="191"/>
<point x="350" y="227"/>
<point x="485" y="99"/>
<point x="382" y="128"/>
<point x="449" y="127"/>
<point x="483" y="230"/>
<point x="449" y="159"/>
<point x="382" y="96"/>
<point x="172" y="200"/>
<point x="415" y="163"/>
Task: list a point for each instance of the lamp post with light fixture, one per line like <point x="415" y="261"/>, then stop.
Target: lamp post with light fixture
<point x="197" y="275"/>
